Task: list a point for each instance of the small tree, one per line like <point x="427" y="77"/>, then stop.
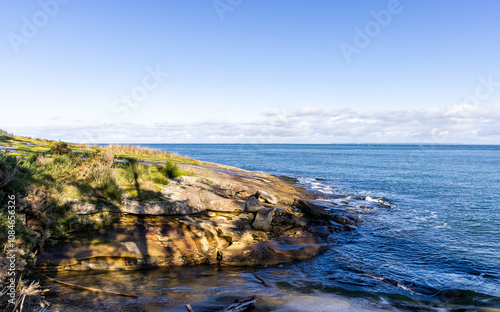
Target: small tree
<point x="4" y="133"/>
<point x="60" y="148"/>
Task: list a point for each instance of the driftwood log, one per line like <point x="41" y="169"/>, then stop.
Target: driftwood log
<point x="89" y="288"/>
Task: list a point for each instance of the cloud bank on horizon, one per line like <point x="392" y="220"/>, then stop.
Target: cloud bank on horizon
<point x="461" y="123"/>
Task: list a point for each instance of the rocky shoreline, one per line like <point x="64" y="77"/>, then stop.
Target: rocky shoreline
<point x="218" y="215"/>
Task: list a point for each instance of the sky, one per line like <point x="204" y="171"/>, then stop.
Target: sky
<point x="259" y="71"/>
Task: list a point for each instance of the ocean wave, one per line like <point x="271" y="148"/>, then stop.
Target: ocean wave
<point x="317" y="186"/>
<point x="334" y="195"/>
<point x="380" y="201"/>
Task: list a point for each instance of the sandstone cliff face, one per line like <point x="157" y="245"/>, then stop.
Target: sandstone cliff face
<point x="203" y="221"/>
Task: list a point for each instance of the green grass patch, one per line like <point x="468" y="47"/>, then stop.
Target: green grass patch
<point x="170" y="170"/>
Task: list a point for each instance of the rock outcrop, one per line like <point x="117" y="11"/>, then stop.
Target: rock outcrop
<point x="320" y="212"/>
<point x="253" y="204"/>
<point x="263" y="219"/>
<point x="166" y="207"/>
<point x="266" y="197"/>
<point x="202" y="221"/>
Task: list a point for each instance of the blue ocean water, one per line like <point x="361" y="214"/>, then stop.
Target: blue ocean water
<point x="434" y="229"/>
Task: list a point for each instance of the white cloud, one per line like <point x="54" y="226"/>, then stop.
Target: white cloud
<point x="463" y="123"/>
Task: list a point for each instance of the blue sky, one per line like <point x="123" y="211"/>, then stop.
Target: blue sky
<point x="241" y="71"/>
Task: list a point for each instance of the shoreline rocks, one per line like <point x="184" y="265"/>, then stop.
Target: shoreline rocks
<point x="253" y="204"/>
<point x="166" y="207"/>
<point x="263" y="219"/>
<point x="266" y="197"/>
<point x="210" y="218"/>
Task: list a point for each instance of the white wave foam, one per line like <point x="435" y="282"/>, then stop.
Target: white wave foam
<point x="379" y="201"/>
<point x="317" y="186"/>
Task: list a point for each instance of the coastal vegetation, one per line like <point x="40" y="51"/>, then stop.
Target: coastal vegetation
<point x="89" y="207"/>
<point x="49" y="171"/>
<point x="42" y="175"/>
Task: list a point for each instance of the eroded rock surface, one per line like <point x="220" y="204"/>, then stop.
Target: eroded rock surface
<point x="266" y="197"/>
<point x="203" y="221"/>
<point x="263" y="219"/>
<point x="253" y="204"/>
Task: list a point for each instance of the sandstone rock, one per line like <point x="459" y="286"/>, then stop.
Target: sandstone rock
<point x="253" y="204"/>
<point x="321" y="230"/>
<point x="216" y="203"/>
<point x="320" y="212"/>
<point x="272" y="252"/>
<point x="166" y="207"/>
<point x="311" y="209"/>
<point x="83" y="208"/>
<point x="190" y="237"/>
<point x="296" y="252"/>
<point x="183" y="193"/>
<point x="263" y="219"/>
<point x="223" y="192"/>
<point x="193" y="180"/>
<point x="203" y="184"/>
<point x="268" y="198"/>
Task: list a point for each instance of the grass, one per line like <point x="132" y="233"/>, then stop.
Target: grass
<point x="170" y="170"/>
<point x="120" y="151"/>
<point x="82" y="224"/>
<point x="110" y="190"/>
<point x="135" y="152"/>
<point x="140" y="181"/>
<point x="51" y="171"/>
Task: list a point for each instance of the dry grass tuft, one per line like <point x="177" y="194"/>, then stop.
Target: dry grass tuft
<point x="142" y="152"/>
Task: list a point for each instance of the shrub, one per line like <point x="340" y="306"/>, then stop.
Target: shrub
<point x="62" y="167"/>
<point x="131" y="170"/>
<point x="60" y="148"/>
<point x="15" y="175"/>
<point x="170" y="170"/>
<point x="8" y="169"/>
<point x="97" y="168"/>
<point x="5" y="134"/>
<point x="109" y="189"/>
<point x="160" y="180"/>
<point x="14" y="178"/>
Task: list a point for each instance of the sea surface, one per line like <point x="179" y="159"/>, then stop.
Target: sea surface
<point x="431" y="234"/>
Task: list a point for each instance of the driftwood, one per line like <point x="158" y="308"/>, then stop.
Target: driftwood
<point x="247" y="304"/>
<point x="244" y="305"/>
<point x="261" y="280"/>
<point x="88" y="288"/>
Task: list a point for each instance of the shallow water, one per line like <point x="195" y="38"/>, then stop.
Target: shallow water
<point x="205" y="288"/>
<point x="431" y="233"/>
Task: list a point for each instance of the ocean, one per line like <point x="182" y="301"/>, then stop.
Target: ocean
<point x="434" y="235"/>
